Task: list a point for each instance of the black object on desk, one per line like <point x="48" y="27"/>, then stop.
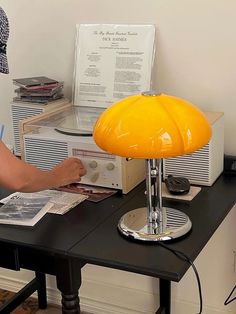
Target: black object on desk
<point x="177" y="185"/>
<point x="230" y="165"/>
<point x="61" y="245"/>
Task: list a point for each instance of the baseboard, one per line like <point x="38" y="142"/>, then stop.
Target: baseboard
<point x="96" y="297"/>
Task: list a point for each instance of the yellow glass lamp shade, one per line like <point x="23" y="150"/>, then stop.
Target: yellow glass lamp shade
<point x="151" y="126"/>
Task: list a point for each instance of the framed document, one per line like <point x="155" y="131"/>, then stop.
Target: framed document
<point x="112" y="62"/>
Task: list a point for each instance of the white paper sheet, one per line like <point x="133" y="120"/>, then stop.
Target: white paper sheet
<point x="112" y="62"/>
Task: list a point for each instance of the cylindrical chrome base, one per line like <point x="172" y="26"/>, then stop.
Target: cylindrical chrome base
<point x="134" y="225"/>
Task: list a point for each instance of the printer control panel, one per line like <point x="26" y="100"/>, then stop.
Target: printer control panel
<point x="103" y="169"/>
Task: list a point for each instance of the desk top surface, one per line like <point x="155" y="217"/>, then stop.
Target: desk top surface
<point x="58" y="233"/>
<point x="89" y="232"/>
<point x="105" y="246"/>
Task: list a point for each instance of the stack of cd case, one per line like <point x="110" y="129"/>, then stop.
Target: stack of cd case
<point x="40" y="89"/>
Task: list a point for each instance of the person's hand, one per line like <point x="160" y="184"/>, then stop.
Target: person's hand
<point x="69" y="171"/>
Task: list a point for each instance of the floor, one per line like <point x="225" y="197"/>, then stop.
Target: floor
<point x="30" y="305"/>
<point x="49" y="310"/>
<point x="54" y="310"/>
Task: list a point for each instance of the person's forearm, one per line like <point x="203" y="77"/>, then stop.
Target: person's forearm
<point x="27" y="178"/>
<point x="17" y="175"/>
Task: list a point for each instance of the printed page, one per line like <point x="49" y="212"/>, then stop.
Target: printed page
<point x="21" y="210"/>
<point x="112" y="62"/>
<point x="93" y="193"/>
<point x="58" y="202"/>
<point x="64" y="201"/>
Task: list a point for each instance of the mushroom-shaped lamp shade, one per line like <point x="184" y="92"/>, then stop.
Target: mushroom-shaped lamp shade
<point x="149" y="126"/>
<point x="152" y="127"/>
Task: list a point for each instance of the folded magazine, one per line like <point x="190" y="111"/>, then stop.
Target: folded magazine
<point x="28" y="208"/>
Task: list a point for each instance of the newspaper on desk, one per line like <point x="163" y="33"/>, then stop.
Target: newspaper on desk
<point x="28" y="208"/>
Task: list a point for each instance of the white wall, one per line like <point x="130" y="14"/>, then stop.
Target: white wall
<point x="196" y="47"/>
<point x="196" y="60"/>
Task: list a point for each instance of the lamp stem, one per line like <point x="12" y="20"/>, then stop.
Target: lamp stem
<point x="154" y="222"/>
<point x="154" y="195"/>
<point x="149" y="190"/>
<point x="160" y="183"/>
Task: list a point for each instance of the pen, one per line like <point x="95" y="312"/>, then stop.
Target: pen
<point x="1" y="130"/>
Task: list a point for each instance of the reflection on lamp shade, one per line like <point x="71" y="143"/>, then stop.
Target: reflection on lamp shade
<point x="151" y="126"/>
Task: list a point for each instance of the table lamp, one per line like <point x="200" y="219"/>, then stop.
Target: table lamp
<point x="152" y="127"/>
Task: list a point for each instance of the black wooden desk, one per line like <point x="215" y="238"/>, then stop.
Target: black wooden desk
<point x="61" y="245"/>
<point x="45" y="247"/>
<point x="106" y="247"/>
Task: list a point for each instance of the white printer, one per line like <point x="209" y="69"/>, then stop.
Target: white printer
<point x="49" y="138"/>
<point x="112" y="62"/>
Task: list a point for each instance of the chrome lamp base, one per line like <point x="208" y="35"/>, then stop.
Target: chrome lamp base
<point x="134" y="224"/>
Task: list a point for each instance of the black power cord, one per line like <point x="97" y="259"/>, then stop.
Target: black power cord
<point x="185" y="258"/>
<point x="228" y="301"/>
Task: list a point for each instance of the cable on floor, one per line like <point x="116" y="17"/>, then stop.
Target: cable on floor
<point x="228" y="301"/>
<point x="185" y="258"/>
